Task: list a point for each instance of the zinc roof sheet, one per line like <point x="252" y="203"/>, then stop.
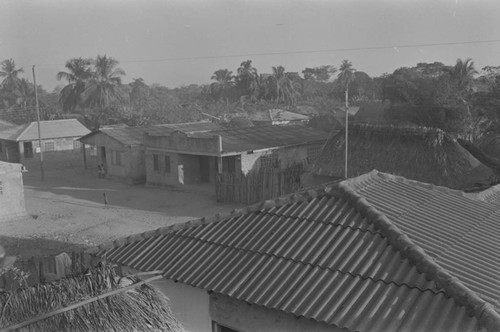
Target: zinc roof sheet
<point x="49" y="129"/>
<point x="265" y="137"/>
<point x="135" y="135"/>
<point x="319" y="255"/>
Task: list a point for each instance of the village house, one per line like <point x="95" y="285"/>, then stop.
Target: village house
<point x="121" y="149"/>
<point x="178" y="158"/>
<point x="19" y="144"/>
<point x="373" y="253"/>
<point x="420" y="153"/>
<point x="11" y="191"/>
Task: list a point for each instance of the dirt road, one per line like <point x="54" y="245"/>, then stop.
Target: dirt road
<point x="67" y="211"/>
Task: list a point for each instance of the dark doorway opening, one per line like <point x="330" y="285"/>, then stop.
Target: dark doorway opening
<point x="204" y="169"/>
<point x="103" y="155"/>
<point x="28" y="150"/>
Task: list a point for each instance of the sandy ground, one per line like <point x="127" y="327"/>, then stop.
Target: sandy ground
<point x="67" y="211"/>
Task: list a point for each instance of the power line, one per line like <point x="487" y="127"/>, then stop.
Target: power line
<point x="333" y="50"/>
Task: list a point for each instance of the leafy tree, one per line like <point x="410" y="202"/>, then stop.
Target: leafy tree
<point x="139" y="96"/>
<point x="79" y="71"/>
<point x="320" y="74"/>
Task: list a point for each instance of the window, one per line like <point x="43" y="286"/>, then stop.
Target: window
<point x="167" y="164"/>
<point x="156" y="164"/>
<point x="116" y="158"/>
<point x="49" y="146"/>
<point x="1" y="187"/>
<point x="76" y="144"/>
<point x="1" y="147"/>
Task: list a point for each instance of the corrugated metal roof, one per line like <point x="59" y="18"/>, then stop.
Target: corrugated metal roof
<point x="282" y="115"/>
<point x="6" y="125"/>
<point x="49" y="129"/>
<point x="135" y="135"/>
<point x="324" y="255"/>
<point x="460" y="233"/>
<point x="265" y="137"/>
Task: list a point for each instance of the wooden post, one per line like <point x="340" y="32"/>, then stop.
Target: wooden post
<point x="346" y="127"/>
<point x="38" y="121"/>
<point x="84" y="156"/>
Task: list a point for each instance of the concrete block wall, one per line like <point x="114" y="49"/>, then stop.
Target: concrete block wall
<point x="11" y="192"/>
<point x="242" y="316"/>
<point x="161" y="177"/>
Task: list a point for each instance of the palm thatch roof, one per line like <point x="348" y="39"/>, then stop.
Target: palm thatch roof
<point x="478" y="153"/>
<point x="419" y="153"/>
<point x="110" y="306"/>
<point x="490" y="144"/>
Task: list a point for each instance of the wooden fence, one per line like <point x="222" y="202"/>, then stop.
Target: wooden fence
<point x="258" y="185"/>
<point x="43" y="268"/>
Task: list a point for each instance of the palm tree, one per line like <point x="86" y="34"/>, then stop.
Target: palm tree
<point x="8" y="71"/>
<point x="463" y="74"/>
<point x="103" y="87"/>
<point x="345" y="77"/>
<point x="224" y="81"/>
<point x="26" y="93"/>
<point x="78" y="73"/>
<point x="247" y="79"/>
<point x="284" y="85"/>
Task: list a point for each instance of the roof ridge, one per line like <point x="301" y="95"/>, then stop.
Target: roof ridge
<point x="475" y="305"/>
<point x="26" y="129"/>
<point x="481" y="195"/>
<point x="280" y="201"/>
<point x="401" y="179"/>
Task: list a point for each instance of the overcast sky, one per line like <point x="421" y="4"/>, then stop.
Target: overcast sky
<point x="182" y="42"/>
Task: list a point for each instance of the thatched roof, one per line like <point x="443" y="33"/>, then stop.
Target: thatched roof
<point x="490" y="144"/>
<point x="419" y="153"/>
<point x="480" y="155"/>
<point x="140" y="308"/>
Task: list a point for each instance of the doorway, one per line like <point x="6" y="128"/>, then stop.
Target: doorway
<point x="103" y="155"/>
<point x="204" y="169"/>
<point x="28" y="149"/>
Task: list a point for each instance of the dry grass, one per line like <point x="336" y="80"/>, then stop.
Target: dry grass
<point x="140" y="309"/>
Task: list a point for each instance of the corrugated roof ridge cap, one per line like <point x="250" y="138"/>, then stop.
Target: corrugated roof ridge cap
<point x="425" y="185"/>
<point x="280" y="201"/>
<point x="482" y="195"/>
<point x="484" y="311"/>
<point x="358" y="180"/>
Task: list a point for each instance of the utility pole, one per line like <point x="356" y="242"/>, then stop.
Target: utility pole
<point x="346" y="126"/>
<point x="38" y="122"/>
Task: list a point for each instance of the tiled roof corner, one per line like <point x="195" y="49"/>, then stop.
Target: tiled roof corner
<point x="454" y="288"/>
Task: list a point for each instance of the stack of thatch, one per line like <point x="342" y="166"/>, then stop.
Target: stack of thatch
<point x="418" y="153"/>
<point x="140" y="308"/>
